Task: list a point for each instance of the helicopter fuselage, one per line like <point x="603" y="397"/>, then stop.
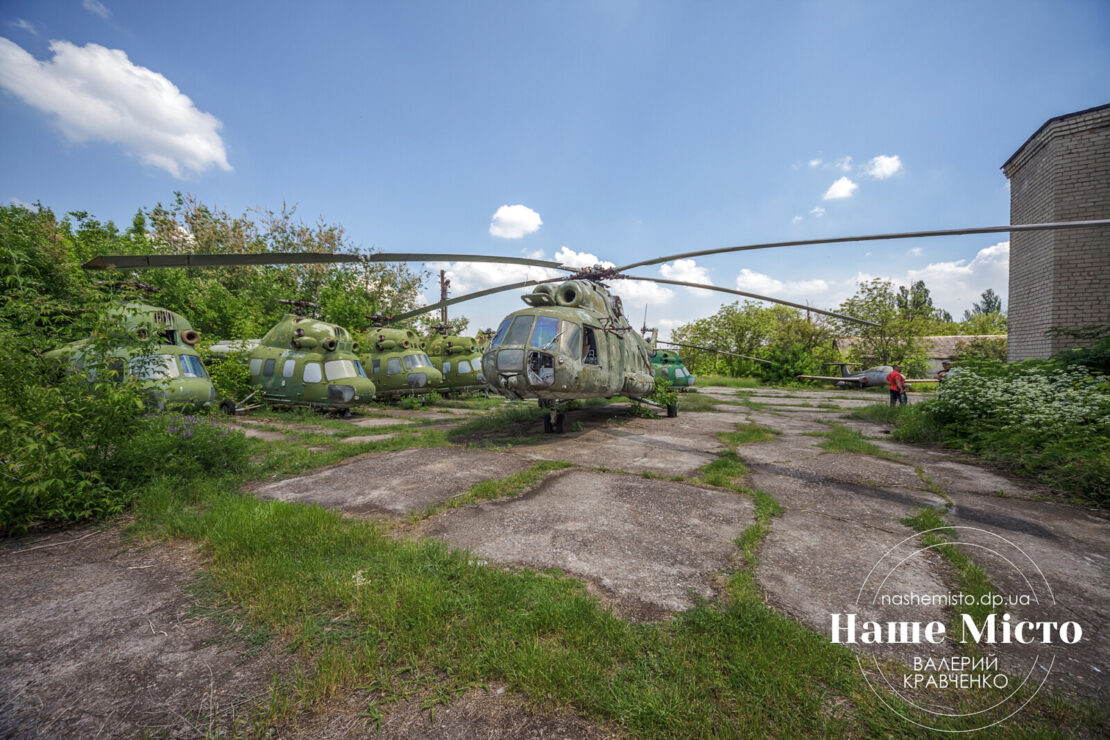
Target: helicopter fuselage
<point x="572" y="343"/>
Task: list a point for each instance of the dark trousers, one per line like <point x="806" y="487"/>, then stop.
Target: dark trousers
<point x="897" y="397"/>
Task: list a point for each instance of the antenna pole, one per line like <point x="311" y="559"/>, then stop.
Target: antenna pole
<point x="443" y="283"/>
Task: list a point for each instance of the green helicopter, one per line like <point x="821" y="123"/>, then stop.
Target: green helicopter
<point x="173" y="371"/>
<point x="398" y="364"/>
<point x="459" y="359"/>
<point x="303" y="362"/>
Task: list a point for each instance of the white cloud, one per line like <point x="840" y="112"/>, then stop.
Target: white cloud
<point x="96" y="8"/>
<point x="25" y="25"/>
<point x="956" y="285"/>
<point x="639" y="293"/>
<point x="513" y="222"/>
<point x="687" y="271"/>
<point x="570" y="258"/>
<point x="817" y="211"/>
<point x="915" y="252"/>
<point x="796" y="220"/>
<point x="97" y="94"/>
<point x="844" y="164"/>
<point x="470" y="277"/>
<point x="757" y="282"/>
<point x="815" y="162"/>
<point x="882" y="167"/>
<point x="842" y="188"/>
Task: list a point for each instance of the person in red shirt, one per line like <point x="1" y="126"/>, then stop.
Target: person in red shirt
<point x="897" y="383"/>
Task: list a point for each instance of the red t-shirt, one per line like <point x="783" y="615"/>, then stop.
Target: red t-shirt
<point x="893" y="378"/>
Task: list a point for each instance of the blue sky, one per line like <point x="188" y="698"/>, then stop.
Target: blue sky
<point x="623" y="130"/>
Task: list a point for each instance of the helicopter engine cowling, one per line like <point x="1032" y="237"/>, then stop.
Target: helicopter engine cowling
<point x="304" y="343"/>
<point x="329" y="344"/>
<point x="570" y="293"/>
<point x="190" y="336"/>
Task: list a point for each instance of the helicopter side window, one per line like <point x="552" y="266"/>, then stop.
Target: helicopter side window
<point x="571" y="340"/>
<point x="409" y="361"/>
<point x="375" y="367"/>
<point x="393" y="366"/>
<point x="360" y="369"/>
<point x="339" y="369"/>
<point x="312" y="372"/>
<point x="446" y="367"/>
<point x="464" y="367"/>
<point x="191" y="366"/>
<point x="519" y="331"/>
<point x="288" y="368"/>
<point x="153" y="367"/>
<point x="545" y="333"/>
<point x="589" y="347"/>
<point x="500" y="333"/>
<point x="268" y="368"/>
<point x="255" y="366"/>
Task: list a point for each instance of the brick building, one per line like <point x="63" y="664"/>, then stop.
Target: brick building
<point x="1059" y="278"/>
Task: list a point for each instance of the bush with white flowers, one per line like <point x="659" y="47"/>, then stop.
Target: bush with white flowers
<point x="1039" y="398"/>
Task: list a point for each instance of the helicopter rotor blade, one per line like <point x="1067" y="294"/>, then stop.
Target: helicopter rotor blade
<point x="876" y="237"/>
<point x="718" y="351"/>
<point x="471" y="296"/>
<point x="148" y="261"/>
<point x="841" y="316"/>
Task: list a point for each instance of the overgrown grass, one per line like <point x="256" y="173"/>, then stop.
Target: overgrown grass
<point x="728" y="382"/>
<point x="367" y="612"/>
<point x="840" y="438"/>
<point x="495" y="488"/>
<point x="748" y="433"/>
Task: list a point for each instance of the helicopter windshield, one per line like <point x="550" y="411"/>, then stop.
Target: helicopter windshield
<point x="500" y="334"/>
<point x="339" y="369"/>
<point x="191" y="367"/>
<point x="519" y="331"/>
<point x="153" y="367"/>
<point x="412" y="362"/>
<point x="546" y="332"/>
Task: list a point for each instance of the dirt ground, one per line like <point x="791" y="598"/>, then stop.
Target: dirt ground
<point x="99" y="636"/>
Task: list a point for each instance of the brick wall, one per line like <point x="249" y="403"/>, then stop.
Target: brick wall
<point x="1059" y="278"/>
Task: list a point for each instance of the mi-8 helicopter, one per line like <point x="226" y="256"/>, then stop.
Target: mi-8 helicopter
<point x="173" y="370"/>
<point x="574" y="341"/>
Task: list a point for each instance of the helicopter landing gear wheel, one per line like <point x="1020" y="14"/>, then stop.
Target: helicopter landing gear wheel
<point x="672" y="410"/>
<point x="554" y="423"/>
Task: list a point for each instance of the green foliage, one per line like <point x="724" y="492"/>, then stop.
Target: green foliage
<point x="786" y="336"/>
<point x="1095" y="357"/>
<point x="981" y="349"/>
<point x="664" y="394"/>
<point x="230" y="374"/>
<point x="900" y="324"/>
<point x="75" y="440"/>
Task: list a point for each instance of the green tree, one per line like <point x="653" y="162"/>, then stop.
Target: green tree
<point x="895" y="337"/>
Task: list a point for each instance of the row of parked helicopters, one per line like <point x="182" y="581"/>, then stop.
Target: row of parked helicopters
<point x="572" y="340"/>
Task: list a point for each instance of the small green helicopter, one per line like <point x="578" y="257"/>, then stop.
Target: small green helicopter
<point x="398" y="364"/>
<point x="459" y="359"/>
<point x="303" y="362"/>
<point x="173" y="372"/>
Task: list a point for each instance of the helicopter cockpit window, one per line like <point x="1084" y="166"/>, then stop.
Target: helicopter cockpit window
<point x="500" y="334"/>
<point x="191" y="367"/>
<point x="409" y="361"/>
<point x="570" y="339"/>
<point x="519" y="331"/>
<point x="412" y="362"/>
<point x="545" y="333"/>
<point x="339" y="369"/>
<point x="464" y="367"/>
<point x="360" y="369"/>
<point x="589" y="348"/>
<point x="393" y="366"/>
<point x="312" y="373"/>
<point x="153" y="367"/>
<point x="446" y="367"/>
